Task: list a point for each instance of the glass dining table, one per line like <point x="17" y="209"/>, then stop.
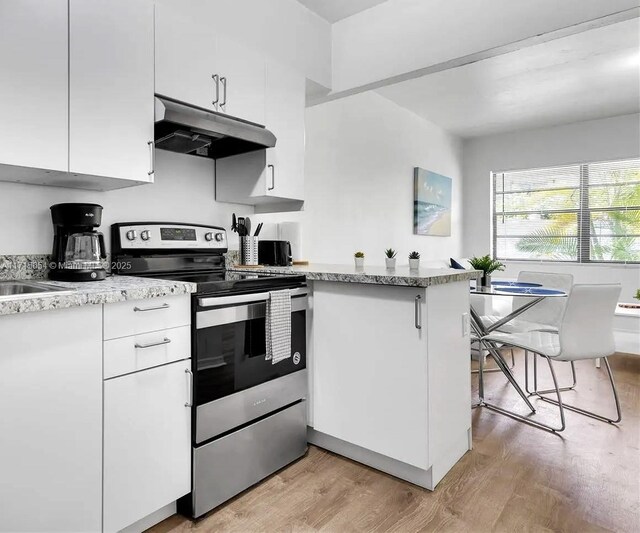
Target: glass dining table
<point x="535" y="293"/>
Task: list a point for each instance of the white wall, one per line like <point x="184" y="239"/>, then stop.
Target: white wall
<point x="183" y="191"/>
<point x="400" y="36"/>
<point x="360" y="155"/>
<point x="283" y="28"/>
<point x="595" y="140"/>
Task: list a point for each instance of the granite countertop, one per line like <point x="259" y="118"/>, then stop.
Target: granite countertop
<point x="376" y="275"/>
<point x="111" y="290"/>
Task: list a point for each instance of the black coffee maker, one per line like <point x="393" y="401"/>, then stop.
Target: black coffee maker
<point x="79" y="252"/>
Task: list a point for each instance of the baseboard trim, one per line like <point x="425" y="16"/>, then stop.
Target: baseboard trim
<point x="151" y="520"/>
<point x="396" y="468"/>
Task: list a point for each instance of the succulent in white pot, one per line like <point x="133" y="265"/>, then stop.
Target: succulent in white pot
<point x="390" y="258"/>
<point x="359" y="259"/>
<point x="414" y="260"/>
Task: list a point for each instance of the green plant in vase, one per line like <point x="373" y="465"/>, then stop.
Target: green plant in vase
<point x="359" y="259"/>
<point x="414" y="260"/>
<point x="488" y="265"/>
<point x="390" y="258"/>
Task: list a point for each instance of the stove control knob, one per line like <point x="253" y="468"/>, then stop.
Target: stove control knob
<point x="219" y="237"/>
<point x="208" y="236"/>
<point x="131" y="234"/>
<point x="144" y="235"/>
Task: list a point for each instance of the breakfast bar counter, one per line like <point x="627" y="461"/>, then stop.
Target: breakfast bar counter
<point x="400" y="276"/>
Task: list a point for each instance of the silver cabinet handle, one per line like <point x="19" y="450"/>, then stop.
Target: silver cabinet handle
<point x="152" y="159"/>
<point x="273" y="177"/>
<point x="189" y="374"/>
<point x="418" y="312"/>
<point x="216" y="80"/>
<point x="223" y="80"/>
<point x="151" y="344"/>
<point x="141" y="309"/>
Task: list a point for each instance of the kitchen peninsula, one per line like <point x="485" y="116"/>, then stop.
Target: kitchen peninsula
<point x="388" y="361"/>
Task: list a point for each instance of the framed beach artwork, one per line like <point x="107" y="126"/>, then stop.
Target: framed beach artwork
<point x="431" y="203"/>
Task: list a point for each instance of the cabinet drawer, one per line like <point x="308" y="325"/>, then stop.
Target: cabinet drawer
<point x="124" y="319"/>
<point x="130" y="354"/>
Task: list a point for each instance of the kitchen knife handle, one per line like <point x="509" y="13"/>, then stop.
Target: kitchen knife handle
<point x="216" y="80"/>
<point x="273" y="177"/>
<point x="223" y="80"/>
<point x="418" y="312"/>
<point x="152" y="159"/>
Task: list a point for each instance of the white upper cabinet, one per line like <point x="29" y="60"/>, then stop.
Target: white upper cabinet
<point x="185" y="55"/>
<point x="242" y="81"/>
<point x="285" y="118"/>
<point x="199" y="66"/>
<point x="111" y="89"/>
<point x="276" y="175"/>
<point x="76" y="92"/>
<point x="33" y="86"/>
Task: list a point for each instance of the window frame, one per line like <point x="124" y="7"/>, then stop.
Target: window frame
<point x="583" y="215"/>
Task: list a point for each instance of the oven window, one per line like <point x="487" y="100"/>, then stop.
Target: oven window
<point x="231" y="357"/>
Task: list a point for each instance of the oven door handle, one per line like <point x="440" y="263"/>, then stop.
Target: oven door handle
<point x="244" y="298"/>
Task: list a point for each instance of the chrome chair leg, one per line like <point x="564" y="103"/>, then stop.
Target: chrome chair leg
<point x="535" y="377"/>
<point x="529" y="421"/>
<point x="590" y="413"/>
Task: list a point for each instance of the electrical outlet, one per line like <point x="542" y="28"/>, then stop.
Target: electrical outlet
<point x="466" y="325"/>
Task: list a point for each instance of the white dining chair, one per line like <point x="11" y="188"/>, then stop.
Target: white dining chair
<point x="585" y="332"/>
<point x="544" y="316"/>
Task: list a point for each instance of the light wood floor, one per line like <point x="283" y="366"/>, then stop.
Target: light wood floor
<point x="517" y="478"/>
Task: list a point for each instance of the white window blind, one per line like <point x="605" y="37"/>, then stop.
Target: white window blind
<point x="585" y="213"/>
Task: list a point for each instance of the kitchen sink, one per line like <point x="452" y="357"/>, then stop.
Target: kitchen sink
<point x="25" y="289"/>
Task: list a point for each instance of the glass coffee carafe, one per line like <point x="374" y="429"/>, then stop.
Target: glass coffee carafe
<point x="84" y="251"/>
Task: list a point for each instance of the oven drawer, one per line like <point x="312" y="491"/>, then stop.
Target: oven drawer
<point x="227" y="466"/>
<point x="123" y="319"/>
<point x="224" y="414"/>
<point x="130" y="354"/>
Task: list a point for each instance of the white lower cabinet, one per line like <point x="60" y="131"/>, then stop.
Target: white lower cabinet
<point x="147" y="442"/>
<point x="51" y="420"/>
<point x="371" y="372"/>
<point x="390" y="376"/>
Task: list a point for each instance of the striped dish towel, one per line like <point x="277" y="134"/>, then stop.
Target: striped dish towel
<point x="278" y="326"/>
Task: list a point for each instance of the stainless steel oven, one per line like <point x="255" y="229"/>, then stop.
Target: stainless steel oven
<point x="230" y="358"/>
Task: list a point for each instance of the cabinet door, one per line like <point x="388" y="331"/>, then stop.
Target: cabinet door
<point x="147" y="442"/>
<point x="111" y="88"/>
<point x="285" y="117"/>
<point x="185" y="56"/>
<point x="33" y="84"/>
<point x="51" y="420"/>
<point x="371" y="389"/>
<point x="242" y="72"/>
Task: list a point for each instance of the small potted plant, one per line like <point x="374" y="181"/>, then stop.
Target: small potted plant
<point x="488" y="267"/>
<point x="414" y="260"/>
<point x="390" y="258"/>
<point x="359" y="259"/>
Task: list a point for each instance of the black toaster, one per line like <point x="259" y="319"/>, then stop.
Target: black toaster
<point x="274" y="253"/>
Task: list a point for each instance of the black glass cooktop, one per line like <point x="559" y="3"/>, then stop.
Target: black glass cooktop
<point x="224" y="283"/>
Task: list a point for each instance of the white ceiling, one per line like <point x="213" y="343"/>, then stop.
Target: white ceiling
<point x="335" y="10"/>
<point x="586" y="76"/>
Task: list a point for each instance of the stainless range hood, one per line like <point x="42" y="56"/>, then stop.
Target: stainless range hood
<point x="188" y="129"/>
